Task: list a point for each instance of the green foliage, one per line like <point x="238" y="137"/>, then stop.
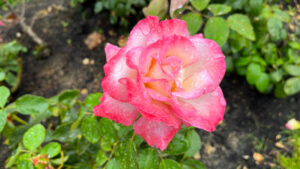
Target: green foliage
<point x="293" y="161"/>
<point x="61" y="131"/>
<point x="10" y="64"/>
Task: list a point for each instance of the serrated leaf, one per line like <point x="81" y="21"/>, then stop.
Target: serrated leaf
<point x="2" y="119"/>
<point x="92" y="100"/>
<point x="4" y="94"/>
<point x="199" y="4"/>
<point x="51" y="149"/>
<point x="216" y="29"/>
<point x="34" y="137"/>
<point x="24" y="162"/>
<point x="148" y="159"/>
<point x="195" y="143"/>
<point x="242" y="25"/>
<point x="292" y="86"/>
<point x="30" y="104"/>
<point x="169" y="164"/>
<point x="193" y="21"/>
<point x="219" y="9"/>
<point x="107" y="130"/>
<point x="90" y="129"/>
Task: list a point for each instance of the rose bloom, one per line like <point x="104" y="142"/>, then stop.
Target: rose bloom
<point x="163" y="78"/>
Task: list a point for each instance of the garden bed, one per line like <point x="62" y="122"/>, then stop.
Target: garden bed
<point x="251" y="123"/>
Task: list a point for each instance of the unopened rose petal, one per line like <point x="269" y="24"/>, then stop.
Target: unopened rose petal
<point x="204" y="112"/>
<point x="156" y="134"/>
<point x="111" y="51"/>
<point x="120" y="112"/>
<point x="293" y="124"/>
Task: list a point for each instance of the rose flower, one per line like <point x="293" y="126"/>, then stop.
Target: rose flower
<point x="163" y="78"/>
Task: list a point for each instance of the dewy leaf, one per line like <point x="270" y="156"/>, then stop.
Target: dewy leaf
<point x="30" y="104"/>
<point x="112" y="164"/>
<point x="24" y="162"/>
<point x="219" y="9"/>
<point x="195" y="143"/>
<point x="216" y="29"/>
<point x="51" y="149"/>
<point x="92" y="100"/>
<point x="292" y="86"/>
<point x="178" y="145"/>
<point x="169" y="164"/>
<point x="34" y="137"/>
<point x="157" y="8"/>
<point x="262" y="82"/>
<point x="126" y="155"/>
<point x="148" y="159"/>
<point x="199" y="4"/>
<point x="242" y="25"/>
<point x="68" y="97"/>
<point x="2" y="119"/>
<point x="101" y="158"/>
<point x="90" y="129"/>
<point x="253" y="73"/>
<point x="4" y="94"/>
<point x="107" y="130"/>
<point x="194" y="22"/>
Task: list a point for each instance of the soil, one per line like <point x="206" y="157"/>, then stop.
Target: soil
<point x="251" y="123"/>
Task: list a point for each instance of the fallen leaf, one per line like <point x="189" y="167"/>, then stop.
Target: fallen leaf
<point x="93" y="40"/>
<point x="259" y="158"/>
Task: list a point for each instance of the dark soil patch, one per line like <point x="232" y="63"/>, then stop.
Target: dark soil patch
<point x="252" y="118"/>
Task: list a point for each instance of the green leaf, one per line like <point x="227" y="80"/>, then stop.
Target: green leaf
<point x="107" y="130"/>
<point x="4" y="93"/>
<point x="216" y="29"/>
<point x="194" y="22"/>
<point x="148" y="159"/>
<point x="292" y="86"/>
<point x="34" y="137"/>
<point x="275" y="27"/>
<point x="242" y="61"/>
<point x="112" y="164"/>
<point x="11" y="79"/>
<point x="101" y="158"/>
<point x="24" y="162"/>
<point x="282" y="15"/>
<point x="229" y="64"/>
<point x="219" y="9"/>
<point x="98" y="7"/>
<point x="279" y="92"/>
<point x="90" y="129"/>
<point x="253" y="73"/>
<point x="169" y="164"/>
<point x="242" y="25"/>
<point x="30" y="104"/>
<point x="68" y="97"/>
<point x="51" y="149"/>
<point x="293" y="44"/>
<point x="276" y="76"/>
<point x="195" y="143"/>
<point x="13" y="157"/>
<point x="237" y="4"/>
<point x="293" y="70"/>
<point x="2" y="76"/>
<point x="2" y="119"/>
<point x="262" y="82"/>
<point x="199" y="4"/>
<point x="125" y="155"/>
<point x="178" y="145"/>
<point x="92" y="100"/>
<point x="193" y="164"/>
<point x="157" y="8"/>
<point x="59" y="161"/>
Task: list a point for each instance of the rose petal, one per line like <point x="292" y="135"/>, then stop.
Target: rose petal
<point x="111" y="51"/>
<point x="139" y="34"/>
<point x="156" y="134"/>
<point x="174" y="27"/>
<point x="204" y="112"/>
<point x="293" y="124"/>
<point x="120" y="112"/>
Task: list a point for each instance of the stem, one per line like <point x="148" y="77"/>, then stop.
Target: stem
<point x="18" y="119"/>
<point x="62" y="158"/>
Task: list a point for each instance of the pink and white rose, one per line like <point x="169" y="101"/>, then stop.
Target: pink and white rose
<point x="165" y="77"/>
